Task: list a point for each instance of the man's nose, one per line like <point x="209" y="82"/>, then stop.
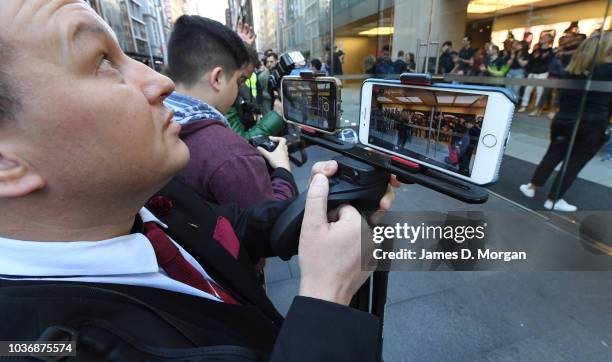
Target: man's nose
<point x="157" y="87"/>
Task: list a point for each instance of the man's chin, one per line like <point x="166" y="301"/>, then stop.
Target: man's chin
<point x="180" y="157"/>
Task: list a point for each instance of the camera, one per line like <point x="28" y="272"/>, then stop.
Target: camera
<point x="286" y="63"/>
<point x="264" y="142"/>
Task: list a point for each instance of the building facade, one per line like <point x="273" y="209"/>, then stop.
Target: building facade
<point x="266" y="24"/>
<point x="142" y="26"/>
<point x="301" y="25"/>
<point x="240" y="9"/>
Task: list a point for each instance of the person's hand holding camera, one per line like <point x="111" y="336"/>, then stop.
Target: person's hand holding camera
<point x="280" y="156"/>
<point x="278" y="106"/>
<point x="330" y="242"/>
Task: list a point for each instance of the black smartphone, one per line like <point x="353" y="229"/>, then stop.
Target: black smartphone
<point x="312" y="102"/>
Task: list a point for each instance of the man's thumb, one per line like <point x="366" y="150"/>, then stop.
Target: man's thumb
<point x="316" y="201"/>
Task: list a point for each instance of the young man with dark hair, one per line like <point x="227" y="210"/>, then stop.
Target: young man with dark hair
<point x="242" y="115"/>
<point x="465" y="58"/>
<point x="316" y="64"/>
<point x="446" y="63"/>
<point x="400" y="64"/>
<point x="383" y="63"/>
<point x="271" y="60"/>
<point x="207" y="61"/>
<point x="82" y="259"/>
<point x="267" y="100"/>
<point x="496" y="64"/>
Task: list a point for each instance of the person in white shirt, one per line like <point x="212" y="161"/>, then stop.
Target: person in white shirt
<point x="85" y="141"/>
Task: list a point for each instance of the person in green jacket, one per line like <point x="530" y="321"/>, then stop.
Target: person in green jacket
<point x="241" y="115"/>
<point x="497" y="65"/>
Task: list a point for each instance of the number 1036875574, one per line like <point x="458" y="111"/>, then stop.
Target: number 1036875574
<point x="42" y="349"/>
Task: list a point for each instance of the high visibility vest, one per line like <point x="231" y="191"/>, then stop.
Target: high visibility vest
<point x="251" y="83"/>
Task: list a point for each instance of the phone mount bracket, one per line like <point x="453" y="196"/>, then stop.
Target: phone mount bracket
<point x="406" y="171"/>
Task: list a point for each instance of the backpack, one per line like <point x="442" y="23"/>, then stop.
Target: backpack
<point x="85" y="312"/>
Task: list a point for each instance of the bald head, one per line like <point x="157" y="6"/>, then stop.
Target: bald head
<point x="9" y="99"/>
<point x="12" y="14"/>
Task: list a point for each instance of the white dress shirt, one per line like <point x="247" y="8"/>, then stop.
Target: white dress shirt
<point x="128" y="259"/>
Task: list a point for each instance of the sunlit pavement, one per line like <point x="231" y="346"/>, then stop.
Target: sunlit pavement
<point x="487" y="315"/>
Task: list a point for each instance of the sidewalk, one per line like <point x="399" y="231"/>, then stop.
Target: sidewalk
<point x="488" y="316"/>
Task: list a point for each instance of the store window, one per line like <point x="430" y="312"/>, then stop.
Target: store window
<point x="526" y="46"/>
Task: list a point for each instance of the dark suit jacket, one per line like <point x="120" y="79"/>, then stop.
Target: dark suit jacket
<point x="313" y="330"/>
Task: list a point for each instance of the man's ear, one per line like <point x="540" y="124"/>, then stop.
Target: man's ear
<point x="17" y="178"/>
<point x="216" y="78"/>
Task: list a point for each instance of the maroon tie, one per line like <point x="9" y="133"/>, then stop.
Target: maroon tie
<point x="177" y="267"/>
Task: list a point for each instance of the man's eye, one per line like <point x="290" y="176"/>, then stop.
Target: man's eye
<point x="108" y="68"/>
<point x="105" y="62"/>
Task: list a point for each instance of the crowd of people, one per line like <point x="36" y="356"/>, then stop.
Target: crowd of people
<point x="384" y="64"/>
<point x="517" y="59"/>
<point x="255" y="111"/>
<point x="576" y="57"/>
<point x="458" y="133"/>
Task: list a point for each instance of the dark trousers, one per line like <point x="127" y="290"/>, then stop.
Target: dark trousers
<point x="589" y="139"/>
<point x="464" y="161"/>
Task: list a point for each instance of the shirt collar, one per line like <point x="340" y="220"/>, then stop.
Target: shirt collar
<point x="188" y="110"/>
<point x="123" y="255"/>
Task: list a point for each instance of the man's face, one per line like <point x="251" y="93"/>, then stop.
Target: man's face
<point x="270" y="62"/>
<point x="385" y="54"/>
<point x="229" y="89"/>
<point x="248" y="71"/>
<point x="92" y="119"/>
<point x="466" y="42"/>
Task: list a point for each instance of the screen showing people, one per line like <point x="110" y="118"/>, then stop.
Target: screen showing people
<point x="441" y="128"/>
<point x="311" y="103"/>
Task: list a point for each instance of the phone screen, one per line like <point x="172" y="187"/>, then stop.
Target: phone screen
<point x="310" y="102"/>
<point x="441" y="128"/>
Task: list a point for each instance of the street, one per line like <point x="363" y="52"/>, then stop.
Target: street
<point x="483" y="315"/>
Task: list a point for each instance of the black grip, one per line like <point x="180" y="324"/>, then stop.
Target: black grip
<point x="450" y="186"/>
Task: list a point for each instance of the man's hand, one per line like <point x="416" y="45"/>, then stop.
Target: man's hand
<point x="280" y="156"/>
<point x="329" y="168"/>
<point x="246" y="33"/>
<point x="278" y="106"/>
<point x="330" y="251"/>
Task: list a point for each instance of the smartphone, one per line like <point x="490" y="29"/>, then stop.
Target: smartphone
<point x="458" y="130"/>
<point x="312" y="102"/>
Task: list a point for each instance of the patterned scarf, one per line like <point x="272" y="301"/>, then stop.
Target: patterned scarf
<point x="188" y="110"/>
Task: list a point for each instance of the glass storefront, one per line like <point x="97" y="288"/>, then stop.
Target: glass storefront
<point x="541" y="50"/>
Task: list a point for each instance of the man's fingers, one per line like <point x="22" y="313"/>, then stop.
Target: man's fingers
<point x="347" y="213"/>
<point x="332" y="215"/>
<point x="328" y="168"/>
<point x="387" y="200"/>
<point x="375" y="218"/>
<point x="315" y="212"/>
<point x="280" y="140"/>
<point x="394" y="182"/>
<point x="263" y="151"/>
